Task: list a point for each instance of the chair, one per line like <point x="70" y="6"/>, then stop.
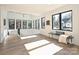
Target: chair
<point x="63" y="38"/>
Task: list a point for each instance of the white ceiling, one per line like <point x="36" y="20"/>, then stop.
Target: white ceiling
<point x="32" y="8"/>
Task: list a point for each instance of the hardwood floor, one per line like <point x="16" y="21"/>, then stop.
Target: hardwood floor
<point x="16" y="46"/>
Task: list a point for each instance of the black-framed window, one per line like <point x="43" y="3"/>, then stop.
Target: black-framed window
<point x="29" y="24"/>
<point x="56" y="22"/>
<point x="11" y="23"/>
<point x="18" y="24"/>
<point x="66" y="21"/>
<point x="43" y="22"/>
<point x="38" y="24"/>
<point x="33" y="24"/>
<point x="24" y="24"/>
<point x="62" y="21"/>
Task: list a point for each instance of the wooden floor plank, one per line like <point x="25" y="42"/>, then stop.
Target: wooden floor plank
<point x="15" y="46"/>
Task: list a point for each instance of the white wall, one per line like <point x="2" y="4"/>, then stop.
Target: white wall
<point x="75" y="18"/>
<point x="3" y="28"/>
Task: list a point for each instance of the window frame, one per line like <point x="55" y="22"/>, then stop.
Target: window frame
<point x="71" y="20"/>
<point x="28" y="24"/>
<point x="19" y="21"/>
<point x="9" y="21"/>
<point x="25" y="26"/>
<point x="43" y="22"/>
<point x="60" y="20"/>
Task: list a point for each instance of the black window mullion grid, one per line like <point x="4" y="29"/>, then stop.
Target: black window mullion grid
<point x="60" y="19"/>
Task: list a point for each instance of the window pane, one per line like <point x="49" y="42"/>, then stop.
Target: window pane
<point x="18" y="24"/>
<point x="29" y="24"/>
<point x="11" y="24"/>
<point x="66" y="21"/>
<point x="35" y="24"/>
<point x="24" y="24"/>
<point x="38" y="24"/>
<point x="43" y="23"/>
<point x="56" y="22"/>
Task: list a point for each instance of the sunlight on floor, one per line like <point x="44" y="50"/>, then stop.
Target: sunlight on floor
<point x="36" y="44"/>
<point x="32" y="36"/>
<point x="42" y="47"/>
<point x="46" y="50"/>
